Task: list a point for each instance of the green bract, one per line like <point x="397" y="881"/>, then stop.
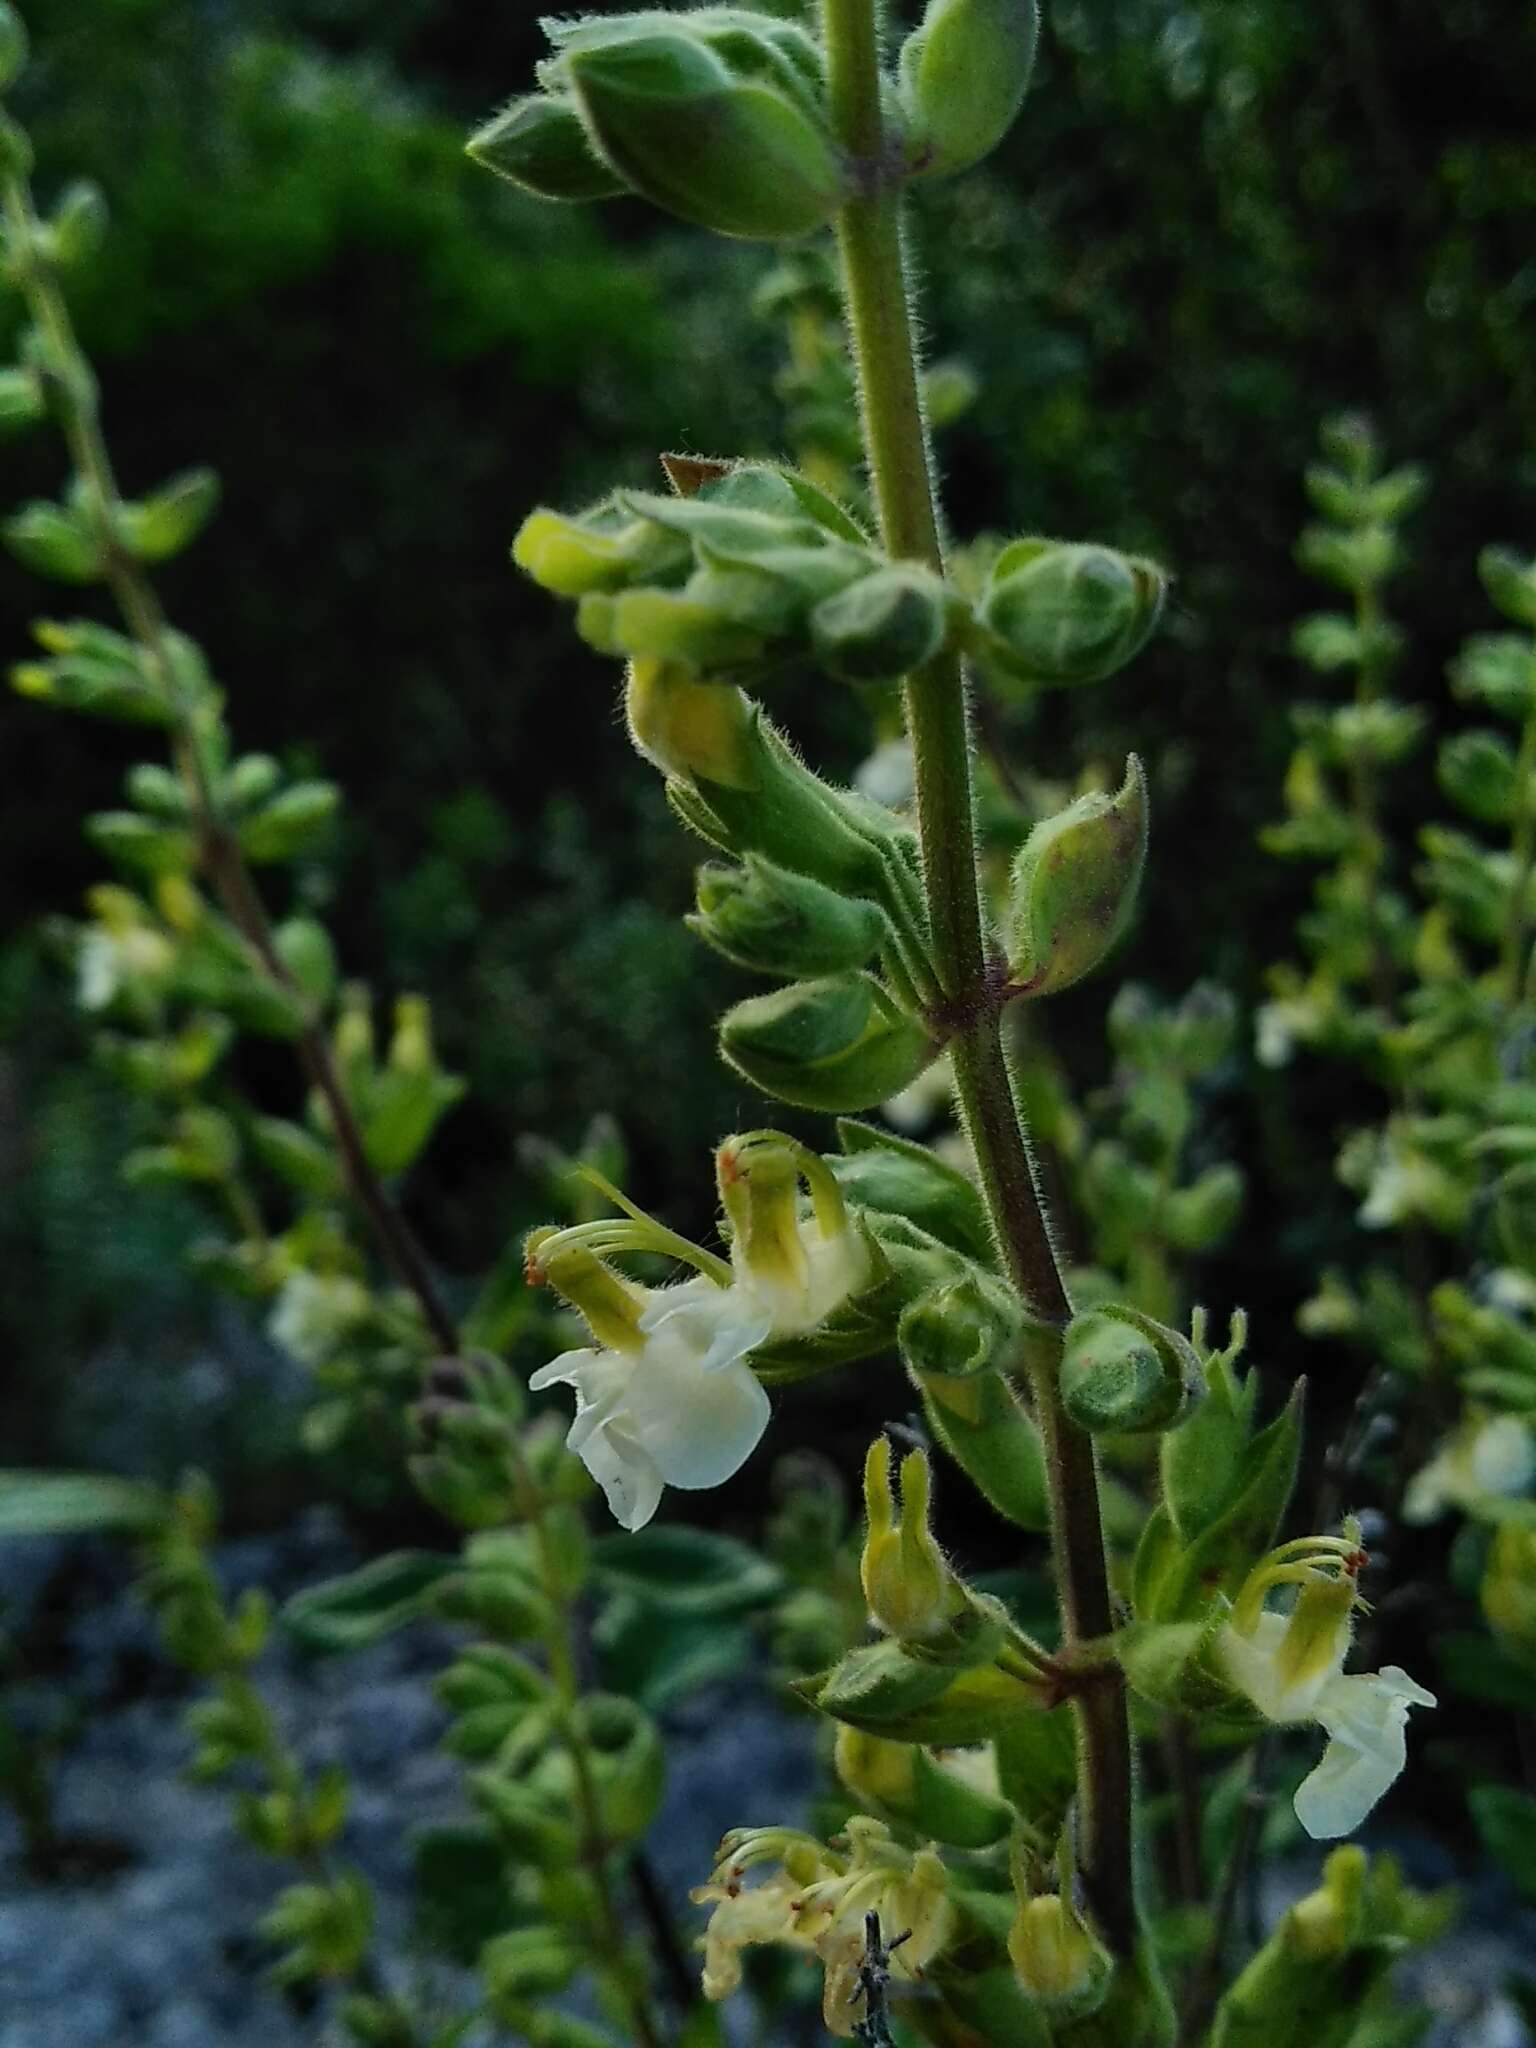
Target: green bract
<point x="1074" y="887"/>
<point x="963" y="76"/>
<point x="838" y="1044"/>
<point x="717" y="116"/>
<point x="538" y="143"/>
<point x="764" y="917"/>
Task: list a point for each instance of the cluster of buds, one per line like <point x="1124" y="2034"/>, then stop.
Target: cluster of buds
<point x="752" y="566"/>
<point x="721" y="115"/>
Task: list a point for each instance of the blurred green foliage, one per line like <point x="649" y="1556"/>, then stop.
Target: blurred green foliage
<point x="1235" y="216"/>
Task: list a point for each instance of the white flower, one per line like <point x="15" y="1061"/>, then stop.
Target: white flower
<point x="1292" y="1669"/>
<point x="682" y="1409"/>
<point x="118" y="956"/>
<point x="1489" y="1460"/>
<point x="666" y="1397"/>
<point x="1280" y="1026"/>
<point x="317" y="1313"/>
<point x="798" y="1296"/>
<point x="889" y="775"/>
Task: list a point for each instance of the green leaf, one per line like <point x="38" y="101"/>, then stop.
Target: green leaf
<point x="460" y="1887"/>
<point x="899" y="1178"/>
<point x="73" y="1503"/>
<point x="1506" y="1820"/>
<point x="1037" y="1766"/>
<point x="687" y="1571"/>
<point x="657" y="1658"/>
<point x="1220" y="1557"/>
<point x="364" y="1606"/>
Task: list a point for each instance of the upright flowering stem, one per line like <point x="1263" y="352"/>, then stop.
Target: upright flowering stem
<point x="222" y="860"/>
<point x="876" y="293"/>
<point x="226" y="870"/>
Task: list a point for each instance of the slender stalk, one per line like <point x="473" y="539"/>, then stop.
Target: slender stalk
<point x="565" y="1675"/>
<point x="221" y="856"/>
<point x="876" y="299"/>
<point x="1205" y="1980"/>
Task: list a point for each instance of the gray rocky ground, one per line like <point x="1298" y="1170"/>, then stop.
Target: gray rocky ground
<point x="147" y="1941"/>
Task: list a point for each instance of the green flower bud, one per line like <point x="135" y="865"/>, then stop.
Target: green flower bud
<point x="665" y="625"/>
<point x="766" y="918"/>
<point x="881" y="627"/>
<point x="304" y="947"/>
<point x="1074" y="886"/>
<point x="626" y="1761"/>
<point x="78" y="226"/>
<point x="1510" y="580"/>
<point x="21" y="400"/>
<point x="1124" y="1374"/>
<point x="954" y="1800"/>
<point x="879" y="1773"/>
<point x="1354" y="560"/>
<point x="737" y="782"/>
<point x="736" y="155"/>
<point x="527" y="1963"/>
<point x="1056" y="1957"/>
<point x="13" y="45"/>
<point x="539" y="145"/>
<point x="688" y="728"/>
<point x="909" y="1587"/>
<point x="1059" y="612"/>
<point x="963" y="75"/>
<point x="141" y="843"/>
<point x="836" y="1044"/>
<point x="967" y="1325"/>
<point x="605" y="548"/>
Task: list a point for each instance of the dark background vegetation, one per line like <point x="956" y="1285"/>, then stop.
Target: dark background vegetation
<point x="1217" y="223"/>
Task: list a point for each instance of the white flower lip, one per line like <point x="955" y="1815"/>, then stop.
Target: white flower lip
<point x="1365" y="1717"/>
<point x="685" y="1408"/>
<point x="683" y="1411"/>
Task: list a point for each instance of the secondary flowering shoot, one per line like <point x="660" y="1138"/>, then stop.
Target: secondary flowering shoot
<point x="1290" y="1666"/>
<point x="1492" y="1457"/>
<point x="665" y="1395"/>
<point x="816" y="1901"/>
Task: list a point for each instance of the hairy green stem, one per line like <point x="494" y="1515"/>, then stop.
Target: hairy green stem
<point x="875" y="289"/>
